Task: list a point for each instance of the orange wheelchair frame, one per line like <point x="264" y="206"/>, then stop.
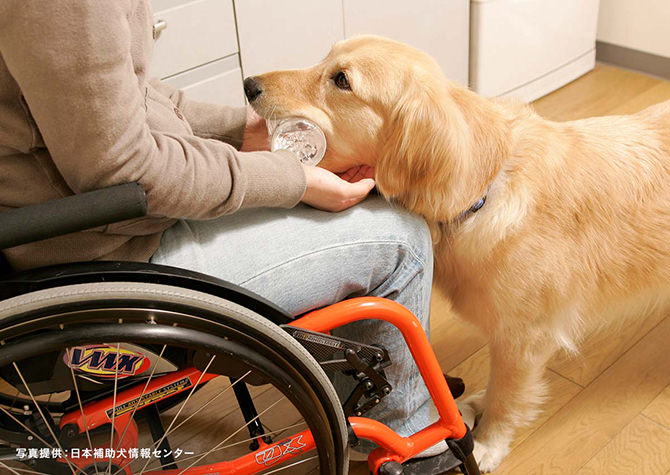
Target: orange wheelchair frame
<point x="392" y="447"/>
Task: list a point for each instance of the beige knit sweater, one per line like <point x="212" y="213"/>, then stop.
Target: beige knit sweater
<point x="78" y="113"/>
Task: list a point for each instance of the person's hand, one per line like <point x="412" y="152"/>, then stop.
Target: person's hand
<point x="355" y="174"/>
<point x="330" y="192"/>
<point x="255" y="133"/>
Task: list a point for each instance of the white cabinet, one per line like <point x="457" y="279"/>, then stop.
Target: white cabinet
<point x="286" y="34"/>
<point x="298" y="33"/>
<point x="438" y="27"/>
<point x="208" y="46"/>
<point x="526" y="49"/>
<point x="197" y="49"/>
<point x="219" y="82"/>
<point x="197" y="32"/>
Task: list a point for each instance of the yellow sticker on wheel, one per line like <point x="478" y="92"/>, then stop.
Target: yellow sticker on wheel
<point x="106" y="361"/>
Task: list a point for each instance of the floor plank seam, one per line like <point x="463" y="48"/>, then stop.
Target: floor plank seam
<point x="558" y="409"/>
<point x="595" y="453"/>
<point x="465" y="359"/>
<point x="566" y="378"/>
<point x="663" y="426"/>
<point x="633" y="345"/>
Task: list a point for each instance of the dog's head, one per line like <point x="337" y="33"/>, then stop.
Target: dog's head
<point x="385" y="104"/>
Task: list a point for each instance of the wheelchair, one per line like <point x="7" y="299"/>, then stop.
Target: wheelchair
<point x="122" y="368"/>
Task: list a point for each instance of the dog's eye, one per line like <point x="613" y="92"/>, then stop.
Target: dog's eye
<point x="341" y="81"/>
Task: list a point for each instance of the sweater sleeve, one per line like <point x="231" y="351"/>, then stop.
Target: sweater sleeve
<point x="73" y="63"/>
<point x="211" y="121"/>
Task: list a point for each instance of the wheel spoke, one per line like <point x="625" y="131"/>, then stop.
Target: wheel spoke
<point x="191" y="457"/>
<point x="83" y="415"/>
<point x="9" y="414"/>
<point x="116" y="385"/>
<point x="232" y="435"/>
<point x="208" y="403"/>
<point x="275" y="432"/>
<point x="132" y="414"/>
<point x="156" y="444"/>
<point x="46" y="422"/>
<point x="290" y="465"/>
<point x="9" y="468"/>
<point x="211" y="400"/>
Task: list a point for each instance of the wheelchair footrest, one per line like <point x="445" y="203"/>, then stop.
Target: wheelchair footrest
<point x="438" y="464"/>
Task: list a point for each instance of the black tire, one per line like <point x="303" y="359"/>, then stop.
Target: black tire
<point x="153" y="314"/>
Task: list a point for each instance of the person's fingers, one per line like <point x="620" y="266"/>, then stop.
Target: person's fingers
<point x="352" y="201"/>
<point x="349" y="174"/>
<point x="365" y="171"/>
<point x="357" y="173"/>
<point x="368" y="171"/>
<point x="360" y="189"/>
<point x="328" y="191"/>
<point x="365" y="184"/>
<point x="253" y="117"/>
<point x="255" y="136"/>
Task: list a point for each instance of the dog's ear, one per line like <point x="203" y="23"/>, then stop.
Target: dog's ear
<point x="444" y="144"/>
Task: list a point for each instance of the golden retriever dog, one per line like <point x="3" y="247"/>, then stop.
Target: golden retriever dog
<point x="574" y="229"/>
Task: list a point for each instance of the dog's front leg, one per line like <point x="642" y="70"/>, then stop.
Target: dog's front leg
<point x="512" y="398"/>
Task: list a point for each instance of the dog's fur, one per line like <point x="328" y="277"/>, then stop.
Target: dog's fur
<point x="575" y="229"/>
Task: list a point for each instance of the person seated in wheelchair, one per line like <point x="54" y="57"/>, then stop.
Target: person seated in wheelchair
<point x="78" y="112"/>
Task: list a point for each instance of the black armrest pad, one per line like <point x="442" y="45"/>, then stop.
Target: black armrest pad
<point x="71" y="214"/>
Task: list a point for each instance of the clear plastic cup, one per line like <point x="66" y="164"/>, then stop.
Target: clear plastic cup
<point x="301" y="136"/>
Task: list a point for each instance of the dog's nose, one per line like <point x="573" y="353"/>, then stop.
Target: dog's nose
<point x="251" y="89"/>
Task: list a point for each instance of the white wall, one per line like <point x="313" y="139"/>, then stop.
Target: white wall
<point x="438" y="27"/>
<point x="642" y="25"/>
<point x="286" y="34"/>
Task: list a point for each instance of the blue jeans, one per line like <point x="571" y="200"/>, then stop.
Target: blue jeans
<point x="303" y="258"/>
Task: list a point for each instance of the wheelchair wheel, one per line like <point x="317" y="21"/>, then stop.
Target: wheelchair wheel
<point x="138" y="378"/>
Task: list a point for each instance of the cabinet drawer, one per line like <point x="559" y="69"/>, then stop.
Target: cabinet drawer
<point x="197" y="32"/>
<point x="219" y="82"/>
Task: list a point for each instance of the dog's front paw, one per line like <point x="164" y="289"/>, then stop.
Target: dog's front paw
<point x="471" y="408"/>
<point x="489" y="455"/>
<point x="476" y="401"/>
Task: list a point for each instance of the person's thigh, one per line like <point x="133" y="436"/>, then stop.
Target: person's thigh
<point x="303" y="258"/>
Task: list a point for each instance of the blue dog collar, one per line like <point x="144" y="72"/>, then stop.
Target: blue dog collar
<point x="468" y="212"/>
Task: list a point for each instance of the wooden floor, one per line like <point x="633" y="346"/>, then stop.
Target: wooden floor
<point x="609" y="408"/>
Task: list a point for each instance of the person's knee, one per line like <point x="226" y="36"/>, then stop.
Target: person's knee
<point x="397" y="246"/>
<point x="408" y="230"/>
<point x="418" y="239"/>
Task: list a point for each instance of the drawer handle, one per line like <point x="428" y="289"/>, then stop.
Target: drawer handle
<point x="159" y="26"/>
